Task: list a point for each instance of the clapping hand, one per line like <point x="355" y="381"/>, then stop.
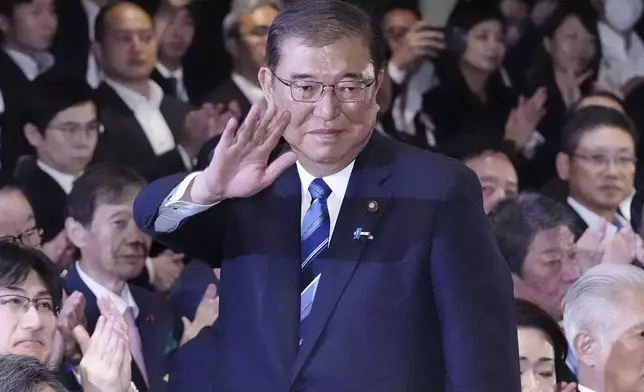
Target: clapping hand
<point x="523" y="120"/>
<point x="420" y="42"/>
<point x="72" y="314"/>
<point x="106" y="362"/>
<point x="205" y="316"/>
<point x="570" y="85"/>
<point x="566" y="387"/>
<point x="240" y="167"/>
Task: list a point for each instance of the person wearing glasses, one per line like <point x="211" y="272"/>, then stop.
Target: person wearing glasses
<point x="61" y="124"/>
<point x="351" y="261"/>
<point x="598" y="162"/>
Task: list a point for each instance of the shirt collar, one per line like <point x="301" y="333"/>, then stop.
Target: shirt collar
<point x="250" y="90"/>
<point x="582" y="388"/>
<point x="91" y="10"/>
<point x="64" y="180"/>
<point x="592" y="219"/>
<point x="31" y="66"/>
<point x="166" y="73"/>
<point x="338" y="182"/>
<point x="122" y="302"/>
<point x="136" y="101"/>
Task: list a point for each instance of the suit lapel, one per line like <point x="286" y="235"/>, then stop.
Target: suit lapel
<point x="283" y="277"/>
<point x="363" y="205"/>
<point x="152" y="339"/>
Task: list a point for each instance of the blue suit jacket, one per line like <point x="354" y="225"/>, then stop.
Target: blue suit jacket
<point x="427" y="305"/>
<point x="155" y="323"/>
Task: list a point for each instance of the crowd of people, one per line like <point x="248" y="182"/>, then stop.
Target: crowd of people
<point x="463" y="200"/>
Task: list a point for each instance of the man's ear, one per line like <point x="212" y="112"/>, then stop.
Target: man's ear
<point x="265" y="77"/>
<point x="586" y="348"/>
<point x="32" y="134"/>
<point x="97" y="51"/>
<point x="563" y="166"/>
<point x="547" y="45"/>
<point x="76" y="233"/>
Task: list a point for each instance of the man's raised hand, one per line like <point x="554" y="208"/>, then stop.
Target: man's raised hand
<point x="240" y="167"/>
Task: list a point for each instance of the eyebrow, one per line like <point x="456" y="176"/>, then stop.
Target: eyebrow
<point x="494" y="179"/>
<point x="43" y="293"/>
<point x="120" y="213"/>
<point x="300" y="76"/>
<point x="542" y="359"/>
<point x="14" y="288"/>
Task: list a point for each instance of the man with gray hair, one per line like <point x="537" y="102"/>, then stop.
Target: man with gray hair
<point x="604" y="325"/>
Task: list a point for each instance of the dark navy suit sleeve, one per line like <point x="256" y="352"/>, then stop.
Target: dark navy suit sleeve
<point x="198" y="236"/>
<point x="474" y="294"/>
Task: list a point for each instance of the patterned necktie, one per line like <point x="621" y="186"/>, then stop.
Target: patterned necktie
<point x="136" y="348"/>
<point x="316" y="227"/>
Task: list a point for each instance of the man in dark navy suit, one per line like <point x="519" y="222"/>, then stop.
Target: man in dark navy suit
<point x="351" y="262"/>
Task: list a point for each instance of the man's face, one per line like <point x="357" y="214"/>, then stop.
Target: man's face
<point x="497" y="175"/>
<point x="129" y="49"/>
<point x="17" y="218"/>
<point x="622" y="358"/>
<point x="395" y="25"/>
<point x="177" y="36"/>
<point x="68" y="143"/>
<point x="113" y="243"/>
<point x="516" y="15"/>
<point x="549" y="269"/>
<point x="601" y="171"/>
<point x="326" y="132"/>
<point x="32" y="26"/>
<point x="28" y="332"/>
<point x="253" y="31"/>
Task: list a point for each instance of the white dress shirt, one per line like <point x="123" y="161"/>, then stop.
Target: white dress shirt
<point x="177" y="74"/>
<point x="64" y="180"/>
<point x="619" y="64"/>
<point x="94" y="74"/>
<point x="148" y="114"/>
<point x="592" y="219"/>
<point x="251" y="91"/>
<point x="121" y="301"/>
<point x="174" y="210"/>
<point x="31" y="66"/>
<point x="1" y="103"/>
<point x="582" y="388"/>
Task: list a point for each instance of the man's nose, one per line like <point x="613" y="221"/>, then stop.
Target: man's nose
<point x="31" y="320"/>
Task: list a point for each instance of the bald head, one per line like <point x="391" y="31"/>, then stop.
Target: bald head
<point x="126" y="45"/>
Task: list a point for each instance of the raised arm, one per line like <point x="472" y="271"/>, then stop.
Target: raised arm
<point x="474" y="295"/>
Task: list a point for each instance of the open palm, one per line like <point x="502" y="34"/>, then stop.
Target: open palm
<point x="239" y="166"/>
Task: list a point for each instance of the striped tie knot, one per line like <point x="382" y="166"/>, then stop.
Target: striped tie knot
<point x="319" y="189"/>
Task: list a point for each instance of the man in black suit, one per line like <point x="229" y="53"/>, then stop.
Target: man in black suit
<point x="28" y="27"/>
<point x="598" y="163"/>
<point x="144" y="128"/>
<point x="174" y="42"/>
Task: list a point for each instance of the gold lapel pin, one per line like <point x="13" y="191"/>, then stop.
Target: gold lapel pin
<point x="150" y="318"/>
<point x="372" y="206"/>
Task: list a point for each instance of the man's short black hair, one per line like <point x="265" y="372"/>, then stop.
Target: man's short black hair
<point x="51" y="93"/>
<point x="472" y="146"/>
<point x="101" y="19"/>
<point x="23" y="373"/>
<point x="100" y="185"/>
<point x="517" y="221"/>
<point x="598" y="94"/>
<point x="590" y="119"/>
<point x="17" y="262"/>
<point x="7" y="6"/>
<point x="322" y="22"/>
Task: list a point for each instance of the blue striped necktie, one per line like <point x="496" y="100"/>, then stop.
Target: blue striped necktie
<point x="316" y="228"/>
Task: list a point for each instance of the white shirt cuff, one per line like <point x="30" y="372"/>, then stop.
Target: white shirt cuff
<point x="396" y="74"/>
<point x="187" y="161"/>
<point x="174" y="210"/>
<point x="530" y="148"/>
<point x="149" y="264"/>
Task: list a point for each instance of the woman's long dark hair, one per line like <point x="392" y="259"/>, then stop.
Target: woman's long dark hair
<point x="587" y="15"/>
<point x="530" y="315"/>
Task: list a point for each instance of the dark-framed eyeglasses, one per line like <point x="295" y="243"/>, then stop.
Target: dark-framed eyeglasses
<point x="31" y="237"/>
<point x="73" y="130"/>
<point x="602" y="161"/>
<point x="309" y="91"/>
<point x="19" y="304"/>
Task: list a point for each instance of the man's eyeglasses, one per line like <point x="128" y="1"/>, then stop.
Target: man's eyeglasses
<point x="602" y="161"/>
<point x="31" y="237"/>
<point x="73" y="130"/>
<point x="345" y="91"/>
<point x="17" y="304"/>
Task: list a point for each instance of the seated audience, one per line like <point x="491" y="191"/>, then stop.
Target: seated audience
<point x="112" y="251"/>
<point x="61" y="124"/>
<point x="535" y="236"/>
<point x="542" y="351"/>
<point x="492" y="164"/>
<point x="28" y="28"/>
<point x="604" y="323"/>
<point x="22" y="373"/>
<point x="566" y="65"/>
<point x="598" y="163"/>
<point x="174" y="42"/>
